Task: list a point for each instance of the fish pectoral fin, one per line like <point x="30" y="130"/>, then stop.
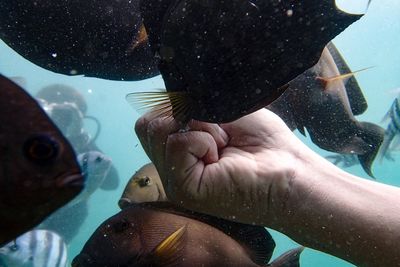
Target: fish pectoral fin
<point x="326" y="80"/>
<point x="169" y="250"/>
<point x="290" y="258"/>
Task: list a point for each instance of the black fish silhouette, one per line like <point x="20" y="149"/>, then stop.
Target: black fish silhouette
<point x="327" y="109"/>
<point x="221" y="60"/>
<point x="160" y="234"/>
<point x="96" y="38"/>
<point x="38" y="168"/>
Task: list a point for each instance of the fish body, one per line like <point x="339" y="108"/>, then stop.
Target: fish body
<point x="160" y="234"/>
<point x="327" y="109"/>
<point x="392" y="132"/>
<point x="91" y="38"/>
<point x="144" y="186"/>
<point x="230" y="58"/>
<point x="36" y="248"/>
<point x="38" y="168"/>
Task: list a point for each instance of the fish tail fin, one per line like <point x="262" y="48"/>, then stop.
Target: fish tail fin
<point x="290" y="258"/>
<point x="373" y="135"/>
<point x="387" y="141"/>
<point x="326" y="80"/>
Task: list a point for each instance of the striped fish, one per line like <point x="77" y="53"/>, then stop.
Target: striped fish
<point x="392" y="132"/>
<point x="36" y="248"/>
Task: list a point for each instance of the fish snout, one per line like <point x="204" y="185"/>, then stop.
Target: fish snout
<point x="75" y="180"/>
<point x="124" y="203"/>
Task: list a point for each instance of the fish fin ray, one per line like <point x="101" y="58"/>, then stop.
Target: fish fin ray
<point x="169" y="249"/>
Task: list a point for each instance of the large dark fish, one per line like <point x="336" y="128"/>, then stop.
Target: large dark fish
<point x="160" y="234"/>
<point x="96" y="38"/>
<point x="36" y="248"/>
<point x="221" y="60"/>
<point x="145" y="186"/>
<point x="324" y="103"/>
<point x="38" y="168"/>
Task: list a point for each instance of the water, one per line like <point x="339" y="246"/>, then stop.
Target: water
<point x="372" y="41"/>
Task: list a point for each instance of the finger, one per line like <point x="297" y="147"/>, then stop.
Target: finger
<point x="187" y="155"/>
<point x="220" y="136"/>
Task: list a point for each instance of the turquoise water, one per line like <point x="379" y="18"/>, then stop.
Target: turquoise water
<point x="372" y="41"/>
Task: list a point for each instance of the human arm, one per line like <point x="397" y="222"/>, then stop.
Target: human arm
<point x="255" y="170"/>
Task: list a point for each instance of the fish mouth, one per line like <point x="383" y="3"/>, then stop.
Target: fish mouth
<point x="124" y="203"/>
<point x="71" y="180"/>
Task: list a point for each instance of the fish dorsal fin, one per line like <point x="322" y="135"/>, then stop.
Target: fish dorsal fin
<point x="290" y="258"/>
<point x="169" y="250"/>
<point x="358" y="103"/>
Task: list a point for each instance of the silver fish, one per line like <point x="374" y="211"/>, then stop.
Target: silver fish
<point x="392" y="132"/>
<point x="36" y="248"/>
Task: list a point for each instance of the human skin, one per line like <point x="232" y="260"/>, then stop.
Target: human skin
<point x="255" y="170"/>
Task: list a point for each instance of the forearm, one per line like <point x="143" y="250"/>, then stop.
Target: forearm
<point x="352" y="218"/>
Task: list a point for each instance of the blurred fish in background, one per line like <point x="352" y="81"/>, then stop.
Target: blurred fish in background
<point x="67" y="220"/>
<point x="324" y="100"/>
<point x="392" y="133"/>
<point x="38" y="168"/>
<point x="36" y="248"/>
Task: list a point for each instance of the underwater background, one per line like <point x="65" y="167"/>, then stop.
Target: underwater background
<point x="374" y="40"/>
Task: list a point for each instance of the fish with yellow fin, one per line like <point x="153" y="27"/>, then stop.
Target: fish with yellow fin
<point x="324" y="102"/>
<point x="161" y="234"/>
<point x="38" y="168"/>
<point x="221" y="60"/>
<point x="145" y="187"/>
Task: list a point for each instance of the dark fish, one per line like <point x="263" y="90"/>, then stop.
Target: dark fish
<point x="38" y="171"/>
<point x="36" y="248"/>
<point x="94" y="38"/>
<point x="221" y="60"/>
<point x="144" y="186"/>
<point x="159" y="234"/>
<point x="323" y="102"/>
<point x="392" y="132"/>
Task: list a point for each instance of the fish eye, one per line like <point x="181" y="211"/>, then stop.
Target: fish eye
<point x="145" y="181"/>
<point x="41" y="149"/>
<point x="99" y="159"/>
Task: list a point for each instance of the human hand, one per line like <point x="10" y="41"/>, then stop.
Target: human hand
<point x="240" y="170"/>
